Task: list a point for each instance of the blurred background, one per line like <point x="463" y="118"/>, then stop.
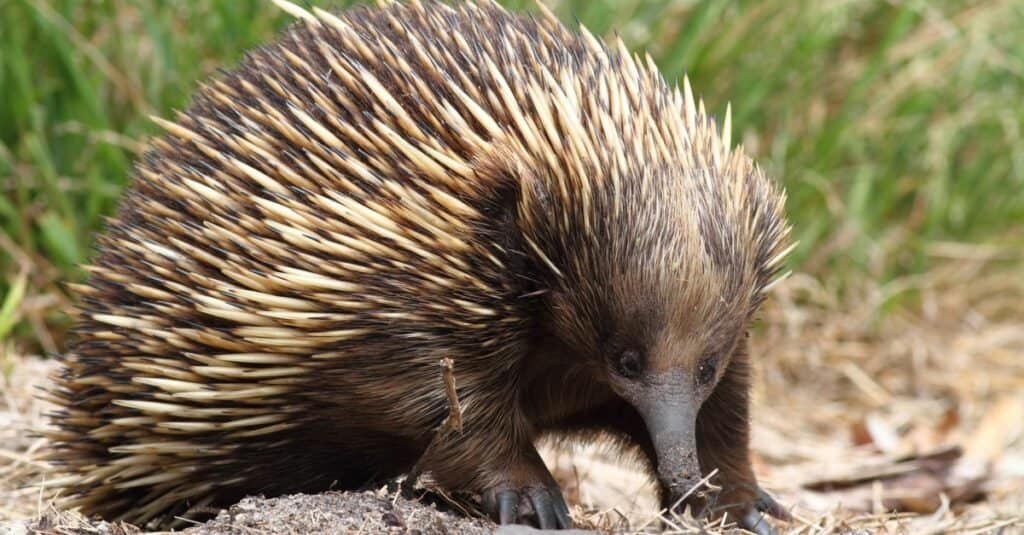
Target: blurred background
<point x="895" y="126"/>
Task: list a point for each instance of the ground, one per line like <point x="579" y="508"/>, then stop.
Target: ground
<point x="329" y="513"/>
<point x="913" y="424"/>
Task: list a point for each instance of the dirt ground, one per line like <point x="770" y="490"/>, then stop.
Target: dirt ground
<point x="912" y="424"/>
<point x="328" y="513"/>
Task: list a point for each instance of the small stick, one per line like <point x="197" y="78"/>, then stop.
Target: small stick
<point x="453" y="422"/>
<point x="454" y="419"/>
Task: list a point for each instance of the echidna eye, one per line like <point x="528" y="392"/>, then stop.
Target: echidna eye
<point x="629" y="364"/>
<point x="706" y="372"/>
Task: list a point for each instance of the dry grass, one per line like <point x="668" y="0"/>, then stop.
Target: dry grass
<point x="909" y="424"/>
<point x="20" y="414"/>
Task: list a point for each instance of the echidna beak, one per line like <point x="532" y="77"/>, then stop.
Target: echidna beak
<point x="671" y="422"/>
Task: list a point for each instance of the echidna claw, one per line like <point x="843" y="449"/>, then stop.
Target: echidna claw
<point x="548" y="505"/>
<point x="508" y="506"/>
<point x="766" y="504"/>
<point x="755" y="520"/>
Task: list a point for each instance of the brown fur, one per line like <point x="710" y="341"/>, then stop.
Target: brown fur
<point x="383" y="189"/>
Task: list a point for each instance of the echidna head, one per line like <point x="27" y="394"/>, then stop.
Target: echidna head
<point x="653" y="271"/>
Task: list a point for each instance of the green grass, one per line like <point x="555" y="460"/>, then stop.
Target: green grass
<point x="894" y="125"/>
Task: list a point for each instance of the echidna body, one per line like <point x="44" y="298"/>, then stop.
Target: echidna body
<point x="388" y="187"/>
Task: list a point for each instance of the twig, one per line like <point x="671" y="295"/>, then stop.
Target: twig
<point x="454" y="419"/>
<point x="453" y="422"/>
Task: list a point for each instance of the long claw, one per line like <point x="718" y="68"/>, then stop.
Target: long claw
<point x="755" y="522"/>
<point x="508" y="507"/>
<point x="754" y="518"/>
<point x="766" y="504"/>
<point x="562" y="513"/>
<point x="542" y="506"/>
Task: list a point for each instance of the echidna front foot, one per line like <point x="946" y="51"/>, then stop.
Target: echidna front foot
<point x="524" y="491"/>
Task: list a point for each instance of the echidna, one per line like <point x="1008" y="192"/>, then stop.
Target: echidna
<point x="389" y="187"/>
